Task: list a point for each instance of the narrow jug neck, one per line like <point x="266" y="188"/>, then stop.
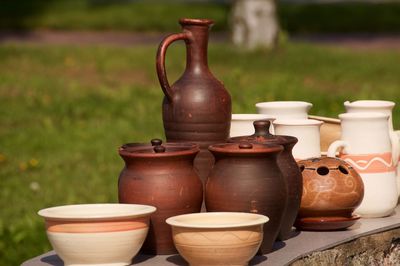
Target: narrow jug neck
<point x="196" y="48"/>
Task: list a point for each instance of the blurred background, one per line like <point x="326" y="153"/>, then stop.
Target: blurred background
<point x="78" y="79"/>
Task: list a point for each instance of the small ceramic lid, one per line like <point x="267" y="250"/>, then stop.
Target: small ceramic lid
<point x="263" y="136"/>
<point x="245" y="148"/>
<point x="157" y="149"/>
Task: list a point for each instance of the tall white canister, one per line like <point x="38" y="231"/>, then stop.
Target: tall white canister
<point x="307" y="131"/>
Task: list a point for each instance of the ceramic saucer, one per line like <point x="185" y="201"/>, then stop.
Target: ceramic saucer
<point x="325" y="223"/>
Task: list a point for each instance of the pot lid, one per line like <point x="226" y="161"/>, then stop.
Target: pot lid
<point x="263" y="136"/>
<point x="245" y="148"/>
<point x="157" y="149"/>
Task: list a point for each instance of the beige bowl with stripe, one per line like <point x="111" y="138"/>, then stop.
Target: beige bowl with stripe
<point x="97" y="234"/>
<point x="217" y="238"/>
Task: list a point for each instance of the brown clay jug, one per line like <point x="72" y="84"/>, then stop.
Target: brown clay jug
<point x="289" y="169"/>
<point x="197" y="107"/>
<point x="162" y="176"/>
<point x="246" y="178"/>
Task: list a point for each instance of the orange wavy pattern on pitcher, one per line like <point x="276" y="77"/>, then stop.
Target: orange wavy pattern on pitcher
<point x="370" y="163"/>
<point x="95" y="227"/>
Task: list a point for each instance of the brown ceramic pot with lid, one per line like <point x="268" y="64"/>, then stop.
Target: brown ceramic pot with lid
<point x="289" y="169"/>
<point x="160" y="175"/>
<point x="197" y="107"/>
<point x="246" y="178"/>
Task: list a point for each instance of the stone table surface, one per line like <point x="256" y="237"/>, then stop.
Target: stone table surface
<point x="300" y="245"/>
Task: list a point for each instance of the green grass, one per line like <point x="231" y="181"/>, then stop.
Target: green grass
<point x="65" y="111"/>
<point x="157" y="15"/>
<point x="341" y="17"/>
<point x="106" y="15"/>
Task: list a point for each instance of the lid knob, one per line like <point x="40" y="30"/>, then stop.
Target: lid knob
<point x="159" y="149"/>
<point x="262" y="128"/>
<point x="156" y="142"/>
<point x="245" y="145"/>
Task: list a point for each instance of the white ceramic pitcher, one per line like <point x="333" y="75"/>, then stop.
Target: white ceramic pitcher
<point x="307" y="131"/>
<point x="242" y="124"/>
<point x="366" y="144"/>
<point x="285" y="109"/>
<point x="385" y="107"/>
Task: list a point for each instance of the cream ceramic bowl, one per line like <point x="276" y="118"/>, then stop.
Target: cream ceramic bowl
<point x="97" y="234"/>
<point x="217" y="238"/>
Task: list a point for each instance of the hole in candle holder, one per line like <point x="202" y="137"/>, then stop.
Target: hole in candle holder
<point x="302" y="167"/>
<point x="323" y="170"/>
<point x="343" y="170"/>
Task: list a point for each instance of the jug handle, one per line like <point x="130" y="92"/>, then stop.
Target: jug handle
<point x="335" y="146"/>
<point x="394" y="139"/>
<point x="160" y="61"/>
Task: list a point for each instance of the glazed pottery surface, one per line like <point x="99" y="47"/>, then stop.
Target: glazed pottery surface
<point x="366" y="145"/>
<point x="331" y="187"/>
<point x="218" y="238"/>
<point x="385" y="107"/>
<point x="326" y="223"/>
<point x="285" y="109"/>
<point x="197" y="107"/>
<point x="97" y="234"/>
<point x="288" y="167"/>
<point x="161" y="176"/>
<point x="246" y="178"/>
<point x="330" y="131"/>
<point x="242" y="124"/>
<point x="307" y="131"/>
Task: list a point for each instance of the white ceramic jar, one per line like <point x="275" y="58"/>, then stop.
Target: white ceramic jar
<point x="307" y="131"/>
<point x="366" y="144"/>
<point x="242" y="124"/>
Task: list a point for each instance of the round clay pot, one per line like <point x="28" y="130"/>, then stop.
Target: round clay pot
<point x="246" y="178"/>
<point x="162" y="176"/>
<point x="331" y="187"/>
<point x="288" y="166"/>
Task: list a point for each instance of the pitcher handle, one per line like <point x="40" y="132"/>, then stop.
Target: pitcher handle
<point x="335" y="146"/>
<point x="394" y="139"/>
<point x="160" y="60"/>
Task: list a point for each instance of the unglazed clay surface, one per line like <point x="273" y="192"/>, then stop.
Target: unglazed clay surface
<point x="288" y="167"/>
<point x="162" y="176"/>
<point x="331" y="187"/>
<point x="197" y="107"/>
<point x="218" y="238"/>
<point x="247" y="178"/>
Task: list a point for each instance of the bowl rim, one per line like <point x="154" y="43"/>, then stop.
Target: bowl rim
<point x="126" y="211"/>
<point x="283" y="104"/>
<point x="260" y="219"/>
<point x="297" y="122"/>
<point x="366" y="104"/>
<point x="251" y="117"/>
